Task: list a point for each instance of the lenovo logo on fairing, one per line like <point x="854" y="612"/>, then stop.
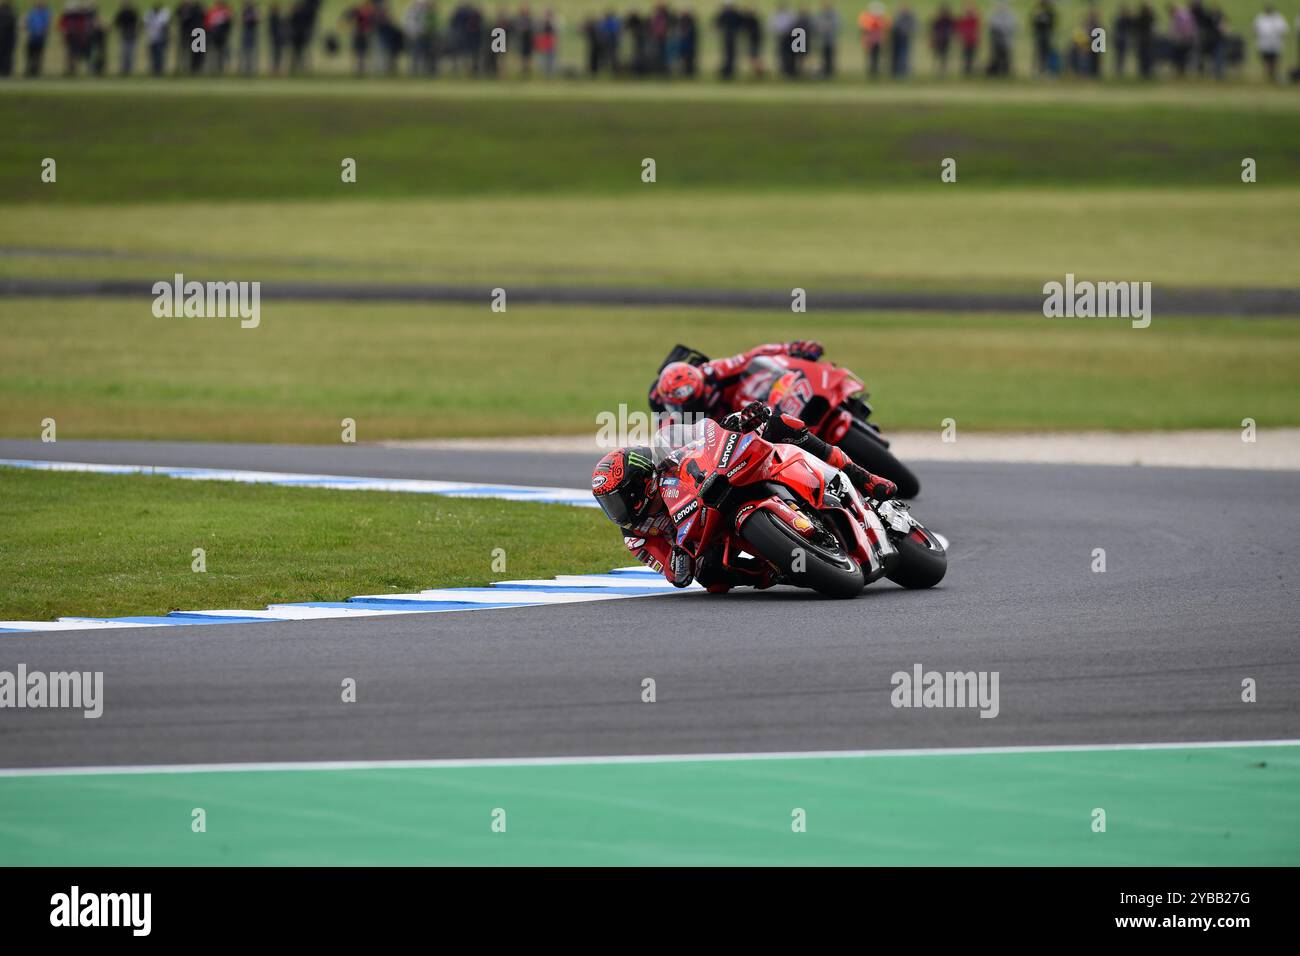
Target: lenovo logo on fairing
<point x="74" y="909"/>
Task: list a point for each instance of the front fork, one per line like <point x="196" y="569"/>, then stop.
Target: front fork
<point x="882" y="552"/>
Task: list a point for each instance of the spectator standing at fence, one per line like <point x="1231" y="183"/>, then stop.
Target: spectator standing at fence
<point x="37" y="24"/>
<point x="781" y="26"/>
<point x="1121" y="36"/>
<point x="191" y="17"/>
<point x="1182" y="36"/>
<point x="1043" y="23"/>
<point x="1002" y="32"/>
<point x="277" y="33"/>
<point x="548" y="43"/>
<point x="8" y="37"/>
<point x="1091" y="55"/>
<point x="127" y="24"/>
<point x="968" y="33"/>
<point x="361" y="17"/>
<point x="1144" y="40"/>
<point x="826" y="25"/>
<point x="250" y="18"/>
<point x="900" y="42"/>
<point x="1204" y="35"/>
<point x="1216" y="39"/>
<point x="728" y="23"/>
<point x="688" y="41"/>
<point x="96" y="43"/>
<point x="74" y="24"/>
<point x="219" y="22"/>
<point x="525" y="38"/>
<point x="300" y="24"/>
<point x="418" y="25"/>
<point x="751" y="28"/>
<point x="942" y="28"/>
<point x="873" y="23"/>
<point x="1270" y="37"/>
<point x="156" y="23"/>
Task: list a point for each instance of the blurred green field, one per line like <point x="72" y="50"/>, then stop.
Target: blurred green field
<point x="133" y="143"/>
<point x="941" y="239"/>
<point x="572" y="13"/>
<point x="106" y="545"/>
<point x="830" y="189"/>
<point x="109" y="369"/>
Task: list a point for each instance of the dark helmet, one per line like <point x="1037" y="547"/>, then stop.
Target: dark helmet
<point x="625" y="484"/>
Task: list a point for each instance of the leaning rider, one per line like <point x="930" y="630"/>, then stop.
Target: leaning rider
<point x="709" y="388"/>
<point x="626" y="484"/>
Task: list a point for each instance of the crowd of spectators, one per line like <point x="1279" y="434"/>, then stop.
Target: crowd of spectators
<point x="1187" y="37"/>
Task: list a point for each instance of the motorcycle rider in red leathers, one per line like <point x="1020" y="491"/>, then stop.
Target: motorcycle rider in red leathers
<point x="627" y="486"/>
<point x="710" y="388"/>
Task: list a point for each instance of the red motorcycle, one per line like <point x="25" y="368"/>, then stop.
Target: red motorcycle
<point x="830" y="400"/>
<point x="730" y="494"/>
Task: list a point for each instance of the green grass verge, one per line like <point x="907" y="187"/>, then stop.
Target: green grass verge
<point x="944" y="238"/>
<point x="130" y="144"/>
<point x="109" y="369"/>
<point x="1229" y="806"/>
<point x="111" y="545"/>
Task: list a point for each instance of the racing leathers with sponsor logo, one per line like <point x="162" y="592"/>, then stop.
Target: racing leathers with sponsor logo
<point x="632" y="494"/>
<point x="710" y="388"/>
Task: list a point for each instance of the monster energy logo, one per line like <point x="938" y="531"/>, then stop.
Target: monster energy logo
<point x="639" y="461"/>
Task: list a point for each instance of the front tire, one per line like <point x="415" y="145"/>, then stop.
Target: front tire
<point x="832" y="572"/>
<point x="918" y="565"/>
<point x="861" y="444"/>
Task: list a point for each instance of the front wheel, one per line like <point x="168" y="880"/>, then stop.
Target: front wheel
<point x="821" y="564"/>
<point x="921" y="562"/>
<point x="861" y="444"/>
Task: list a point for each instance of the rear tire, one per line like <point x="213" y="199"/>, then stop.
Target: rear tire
<point x="860" y="444"/>
<point x="917" y="566"/>
<point x="775" y="541"/>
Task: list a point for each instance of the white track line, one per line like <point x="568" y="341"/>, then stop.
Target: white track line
<point x="458" y="763"/>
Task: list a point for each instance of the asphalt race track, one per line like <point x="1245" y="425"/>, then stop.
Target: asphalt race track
<point x="1198" y="595"/>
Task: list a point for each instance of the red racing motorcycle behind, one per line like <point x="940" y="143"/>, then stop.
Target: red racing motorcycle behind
<point x="828" y="398"/>
<point x="732" y="493"/>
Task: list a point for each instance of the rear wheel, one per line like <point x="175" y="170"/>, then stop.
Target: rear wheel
<point x="861" y="444"/>
<point x="920" y="563"/>
<point x="819" y="563"/>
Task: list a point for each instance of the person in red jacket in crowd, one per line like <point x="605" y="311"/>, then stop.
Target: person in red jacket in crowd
<point x="968" y="32"/>
<point x="627" y="487"/>
<point x="710" y="388"/>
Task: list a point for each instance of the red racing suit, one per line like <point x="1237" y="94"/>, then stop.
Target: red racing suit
<point x="651" y="539"/>
<point x="723" y="379"/>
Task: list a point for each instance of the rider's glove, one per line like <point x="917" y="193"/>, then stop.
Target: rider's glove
<point x="753" y="416"/>
<point x="809" y="349"/>
<point x="682" y="566"/>
<point x="872" y="486"/>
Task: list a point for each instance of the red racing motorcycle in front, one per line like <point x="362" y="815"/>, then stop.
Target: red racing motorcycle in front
<point x="732" y="494"/>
